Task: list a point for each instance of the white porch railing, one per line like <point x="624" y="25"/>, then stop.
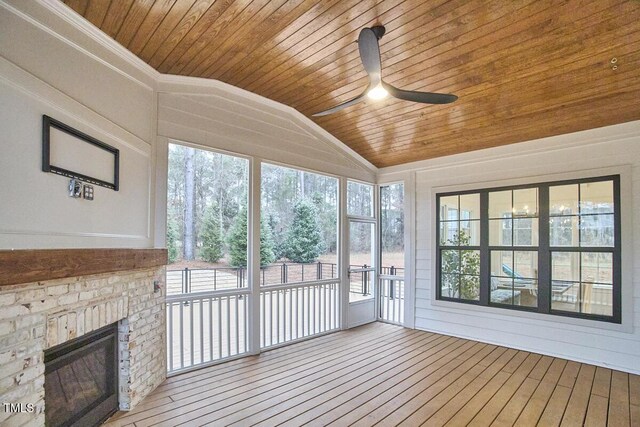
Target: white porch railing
<point x="391" y="299"/>
<point x="294" y="311"/>
<point x="205" y="327"/>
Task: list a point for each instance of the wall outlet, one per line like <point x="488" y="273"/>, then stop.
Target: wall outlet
<point x="88" y="192"/>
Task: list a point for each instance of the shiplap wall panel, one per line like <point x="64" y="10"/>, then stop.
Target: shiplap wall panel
<point x="44" y="72"/>
<point x="274" y="135"/>
<point x="544" y="160"/>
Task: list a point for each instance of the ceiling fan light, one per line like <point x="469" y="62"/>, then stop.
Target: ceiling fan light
<point x="377" y="92"/>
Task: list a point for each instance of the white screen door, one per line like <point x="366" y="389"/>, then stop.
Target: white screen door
<point x="361" y="272"/>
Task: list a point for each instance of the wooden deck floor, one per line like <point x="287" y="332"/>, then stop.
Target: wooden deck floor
<point x="387" y="375"/>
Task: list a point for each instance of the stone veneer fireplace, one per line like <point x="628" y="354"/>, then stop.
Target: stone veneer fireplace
<point x="40" y="314"/>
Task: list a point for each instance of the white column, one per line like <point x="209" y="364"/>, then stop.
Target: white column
<point x="253" y="257"/>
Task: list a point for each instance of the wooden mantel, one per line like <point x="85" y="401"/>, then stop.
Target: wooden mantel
<point x="26" y="266"/>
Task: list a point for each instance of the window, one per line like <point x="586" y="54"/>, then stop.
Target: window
<point x="551" y="248"/>
<point x="392" y="229"/>
<point x="207" y="194"/>
<point x="460" y="246"/>
<point x="298" y="226"/>
<point x="359" y="199"/>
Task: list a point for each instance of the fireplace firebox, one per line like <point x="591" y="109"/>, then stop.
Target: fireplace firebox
<point x="81" y="379"/>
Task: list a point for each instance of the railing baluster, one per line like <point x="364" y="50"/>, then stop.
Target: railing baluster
<point x="228" y="331"/>
<point x="308" y="309"/>
<point x="201" y="331"/>
<point x="237" y="316"/>
<point x="263" y="325"/>
<point x="211" y="329"/>
<point x="219" y="328"/>
<point x="297" y="312"/>
<point x="290" y="314"/>
<point x="191" y="307"/>
<point x="170" y="316"/>
<point x="181" y="336"/>
<point x="278" y="316"/>
<point x="270" y="317"/>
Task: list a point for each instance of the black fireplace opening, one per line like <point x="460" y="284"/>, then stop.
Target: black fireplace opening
<point x="81" y="379"/>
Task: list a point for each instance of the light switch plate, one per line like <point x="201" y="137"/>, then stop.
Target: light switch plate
<point x="88" y="192"/>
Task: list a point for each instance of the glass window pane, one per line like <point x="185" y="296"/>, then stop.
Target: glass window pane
<point x="359" y="199"/>
<point x="500" y="232"/>
<point x="527" y="290"/>
<point x="500" y="204"/>
<point x="207" y="195"/>
<point x="392" y="229"/>
<point x="450" y="261"/>
<point x="597" y="267"/>
<point x="565" y="296"/>
<point x="470" y="262"/>
<point x="563" y="231"/>
<point x="469" y="287"/>
<point x="470" y="206"/>
<point x="596" y="299"/>
<point x="504" y="293"/>
<point x="361" y="257"/>
<point x="298" y="226"/>
<point x="502" y="263"/>
<point x="450" y="285"/>
<point x="565" y="266"/>
<point x="596" y="197"/>
<point x="525" y="265"/>
<point x="449" y="208"/>
<point x="525" y="231"/>
<point x="597" y="230"/>
<point x="469" y="233"/>
<point x="525" y="202"/>
<point x="563" y="200"/>
<point x="449" y="233"/>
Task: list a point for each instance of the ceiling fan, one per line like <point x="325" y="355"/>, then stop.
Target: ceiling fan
<point x="378" y="89"/>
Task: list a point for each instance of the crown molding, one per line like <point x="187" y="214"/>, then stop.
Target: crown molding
<point x="548" y="144"/>
<point x="64" y="12"/>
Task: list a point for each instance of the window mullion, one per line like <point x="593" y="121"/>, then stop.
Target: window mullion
<point x="484" y="249"/>
<point x="544" y="253"/>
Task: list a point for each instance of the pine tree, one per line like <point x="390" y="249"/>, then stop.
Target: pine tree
<point x="267" y="255"/>
<point x="172" y="237"/>
<point x="238" y="242"/>
<point x="304" y="241"/>
<point x="212" y="249"/>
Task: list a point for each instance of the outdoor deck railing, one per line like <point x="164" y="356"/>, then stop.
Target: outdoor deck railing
<point x="295" y="311"/>
<point x="205" y="327"/>
<point x="207" y="309"/>
<point x="190" y="280"/>
<point x="392" y="299"/>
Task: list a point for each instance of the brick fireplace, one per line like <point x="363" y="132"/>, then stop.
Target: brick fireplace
<point x="57" y="296"/>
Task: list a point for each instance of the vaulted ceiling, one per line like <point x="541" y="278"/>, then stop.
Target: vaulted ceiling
<point x="523" y="69"/>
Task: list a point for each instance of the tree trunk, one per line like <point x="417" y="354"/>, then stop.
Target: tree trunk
<point x="189" y="238"/>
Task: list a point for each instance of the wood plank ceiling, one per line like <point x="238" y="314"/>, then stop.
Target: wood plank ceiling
<point x="523" y="69"/>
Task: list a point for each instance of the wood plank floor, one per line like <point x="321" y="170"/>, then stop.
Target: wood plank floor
<point x="380" y="374"/>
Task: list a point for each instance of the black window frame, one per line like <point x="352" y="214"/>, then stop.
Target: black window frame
<point x="544" y="250"/>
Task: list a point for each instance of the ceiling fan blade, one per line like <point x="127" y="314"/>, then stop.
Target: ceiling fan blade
<point x="341" y="106"/>
<point x="370" y="53"/>
<point x="423" y="97"/>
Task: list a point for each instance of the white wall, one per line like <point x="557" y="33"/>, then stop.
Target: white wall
<point x="590" y="153"/>
<point x="43" y="71"/>
<point x="213" y="114"/>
